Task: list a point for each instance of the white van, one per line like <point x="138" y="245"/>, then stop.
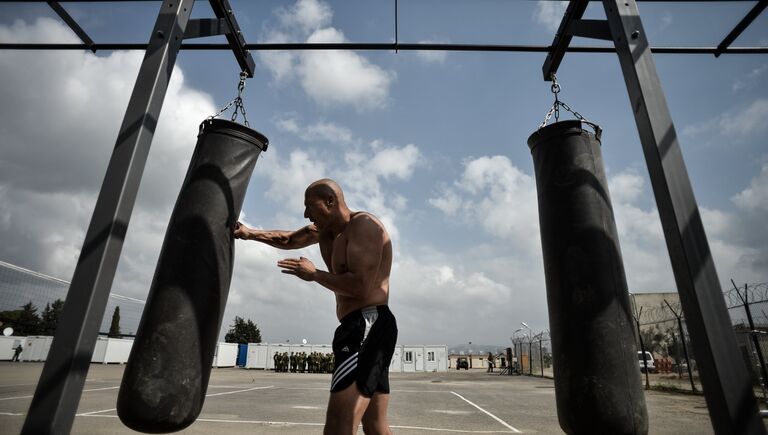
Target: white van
<point x="648" y="361"/>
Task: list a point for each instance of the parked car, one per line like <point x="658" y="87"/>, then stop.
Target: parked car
<point x="462" y="363"/>
<point x="648" y="361"/>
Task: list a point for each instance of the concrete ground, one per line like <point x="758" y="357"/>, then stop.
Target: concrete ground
<point x="252" y="401"/>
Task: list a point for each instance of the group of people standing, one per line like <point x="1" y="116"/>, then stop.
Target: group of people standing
<point x="300" y="362"/>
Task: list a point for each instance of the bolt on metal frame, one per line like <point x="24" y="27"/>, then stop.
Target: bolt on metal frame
<point x="728" y="393"/>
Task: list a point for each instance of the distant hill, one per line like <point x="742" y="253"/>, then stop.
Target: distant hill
<point x="476" y="349"/>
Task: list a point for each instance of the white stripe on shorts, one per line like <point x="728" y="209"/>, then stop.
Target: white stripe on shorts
<point x="344" y="369"/>
<point x="352" y="359"/>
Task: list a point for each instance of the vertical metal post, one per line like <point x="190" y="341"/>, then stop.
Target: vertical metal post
<point x="731" y="402"/>
<point x="679" y="318"/>
<point x="642" y="352"/>
<point x="61" y="383"/>
<point x="541" y="359"/>
<point x="685" y="352"/>
<point x="530" y="357"/>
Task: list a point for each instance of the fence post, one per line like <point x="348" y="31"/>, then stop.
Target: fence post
<point x="642" y="349"/>
<point x="753" y="335"/>
<point x="685" y="351"/>
<point x="541" y="359"/>
<point x="685" y="347"/>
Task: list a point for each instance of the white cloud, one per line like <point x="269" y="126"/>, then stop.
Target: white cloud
<point x="342" y="77"/>
<point x="56" y="141"/>
<point x="329" y="78"/>
<point x="318" y="131"/>
<point x="625" y="187"/>
<point x="749" y="80"/>
<point x="666" y="21"/>
<point x="395" y="162"/>
<point x="306" y="15"/>
<point x="432" y="56"/>
<point x="735" y="124"/>
<point x="498" y="196"/>
<point x="550" y="13"/>
<point x="755" y="197"/>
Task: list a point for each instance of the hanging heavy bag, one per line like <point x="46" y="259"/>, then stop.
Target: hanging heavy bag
<point x="166" y="378"/>
<point x="596" y="374"/>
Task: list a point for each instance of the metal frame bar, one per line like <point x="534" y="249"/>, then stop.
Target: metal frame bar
<point x="743" y="24"/>
<point x="563" y="37"/>
<point x="223" y="10"/>
<point x="59" y="389"/>
<point x="64" y="15"/>
<point x="61" y="383"/>
<point x="387" y="46"/>
<point x="728" y="390"/>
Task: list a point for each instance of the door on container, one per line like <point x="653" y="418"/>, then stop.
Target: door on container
<point x="442" y="360"/>
<point x="409" y="360"/>
<point x="419" y="360"/>
<point x="430" y="364"/>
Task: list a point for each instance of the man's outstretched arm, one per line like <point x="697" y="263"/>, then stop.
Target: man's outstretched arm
<point x="366" y="239"/>
<point x="278" y="238"/>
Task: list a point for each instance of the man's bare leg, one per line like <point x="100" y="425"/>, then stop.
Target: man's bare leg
<point x="375" y="418"/>
<point x="345" y="411"/>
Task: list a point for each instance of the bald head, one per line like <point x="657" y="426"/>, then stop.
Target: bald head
<point x="326" y="189"/>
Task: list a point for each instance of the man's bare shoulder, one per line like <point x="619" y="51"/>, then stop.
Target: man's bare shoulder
<point x="363" y="221"/>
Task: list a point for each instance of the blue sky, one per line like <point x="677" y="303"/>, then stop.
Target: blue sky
<point x="433" y="143"/>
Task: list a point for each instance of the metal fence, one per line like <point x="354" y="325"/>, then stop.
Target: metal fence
<point x="662" y="331"/>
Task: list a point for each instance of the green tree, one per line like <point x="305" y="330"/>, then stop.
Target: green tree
<point x="243" y="332"/>
<point x="50" y="317"/>
<point x="25" y="321"/>
<point x="114" y="328"/>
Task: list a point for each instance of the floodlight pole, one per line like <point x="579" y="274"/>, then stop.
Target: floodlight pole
<point x="60" y="387"/>
<point x="727" y="386"/>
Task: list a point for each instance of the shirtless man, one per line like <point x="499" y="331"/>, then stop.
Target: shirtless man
<point x="358" y="253"/>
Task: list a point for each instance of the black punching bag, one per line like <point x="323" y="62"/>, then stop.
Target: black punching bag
<point x="597" y="377"/>
<point x="167" y="374"/>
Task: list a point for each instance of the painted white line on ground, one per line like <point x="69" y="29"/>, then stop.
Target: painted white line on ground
<point x="95" y="412"/>
<point x="29" y="397"/>
<point x="239" y="391"/>
<point x="451" y="412"/>
<point x="87" y="414"/>
<point x="488" y="413"/>
<point x="100" y="389"/>
<point x="392" y="391"/>
<point x="16" y="397"/>
<point x="10" y="413"/>
<point x="305" y="407"/>
<point x="436" y="429"/>
<point x="293" y="423"/>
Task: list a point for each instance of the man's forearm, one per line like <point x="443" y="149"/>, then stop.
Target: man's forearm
<point x="345" y="284"/>
<point x="276" y="239"/>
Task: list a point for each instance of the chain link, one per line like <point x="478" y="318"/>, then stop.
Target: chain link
<point x="555" y="109"/>
<point x="238" y="102"/>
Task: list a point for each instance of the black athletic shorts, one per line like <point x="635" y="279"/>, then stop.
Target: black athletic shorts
<point x="363" y="346"/>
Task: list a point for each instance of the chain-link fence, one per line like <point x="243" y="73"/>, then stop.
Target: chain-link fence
<point x="661" y="335"/>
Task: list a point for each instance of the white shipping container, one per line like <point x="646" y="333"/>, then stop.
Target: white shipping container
<point x="112" y="350"/>
<point x="8" y="346"/>
<point x="37" y="348"/>
<point x="226" y="355"/>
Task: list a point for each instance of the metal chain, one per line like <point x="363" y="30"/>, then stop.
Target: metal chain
<point x="238" y="102"/>
<point x="558" y="104"/>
